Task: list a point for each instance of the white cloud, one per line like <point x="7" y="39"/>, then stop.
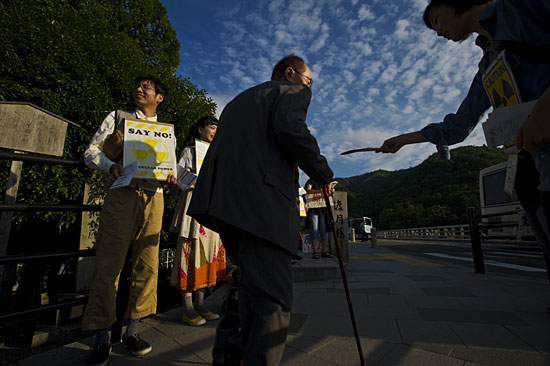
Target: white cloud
<point x="378" y="70"/>
<point x="402" y="29"/>
<point x="365" y="13"/>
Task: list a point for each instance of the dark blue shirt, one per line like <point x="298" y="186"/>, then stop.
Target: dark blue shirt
<point x="523" y="21"/>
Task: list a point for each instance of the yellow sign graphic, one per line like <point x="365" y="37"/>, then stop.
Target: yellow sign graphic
<point x="150" y="151"/>
<point x="500" y="85"/>
<point x="152" y="145"/>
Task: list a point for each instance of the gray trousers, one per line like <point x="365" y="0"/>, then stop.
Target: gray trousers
<point x="264" y="298"/>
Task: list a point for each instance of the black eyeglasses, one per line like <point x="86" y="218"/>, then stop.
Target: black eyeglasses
<point x="144" y="86"/>
<point x="308" y="79"/>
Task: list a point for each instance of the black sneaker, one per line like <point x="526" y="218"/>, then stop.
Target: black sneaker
<point x="137" y="346"/>
<point x="100" y="355"/>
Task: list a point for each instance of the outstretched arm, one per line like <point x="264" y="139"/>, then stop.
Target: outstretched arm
<point x="395" y="143"/>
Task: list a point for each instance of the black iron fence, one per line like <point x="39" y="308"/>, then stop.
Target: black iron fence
<point x="166" y="248"/>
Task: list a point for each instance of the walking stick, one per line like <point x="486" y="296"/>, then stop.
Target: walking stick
<point x="343" y="273"/>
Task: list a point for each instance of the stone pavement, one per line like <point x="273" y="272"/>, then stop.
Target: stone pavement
<point x="409" y="311"/>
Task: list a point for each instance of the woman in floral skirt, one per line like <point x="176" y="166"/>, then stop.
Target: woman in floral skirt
<point x="200" y="255"/>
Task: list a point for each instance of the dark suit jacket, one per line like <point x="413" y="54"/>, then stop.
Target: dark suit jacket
<point x="248" y="178"/>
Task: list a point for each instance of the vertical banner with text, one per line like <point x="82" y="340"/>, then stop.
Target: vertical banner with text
<point x="340" y="214"/>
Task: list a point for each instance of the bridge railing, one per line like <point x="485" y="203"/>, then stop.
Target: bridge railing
<point x="456" y="232"/>
<point x="76" y="299"/>
<point x="476" y="231"/>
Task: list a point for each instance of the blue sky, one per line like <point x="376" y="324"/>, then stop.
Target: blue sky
<point x="377" y="70"/>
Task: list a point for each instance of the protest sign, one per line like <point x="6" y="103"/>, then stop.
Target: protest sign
<point x="316" y="200"/>
<point x="152" y="145"/>
<point x="499" y="83"/>
<point x="201" y="147"/>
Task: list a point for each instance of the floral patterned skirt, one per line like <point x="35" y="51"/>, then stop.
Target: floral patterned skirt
<point x="200" y="255"/>
<point x="200" y="262"/>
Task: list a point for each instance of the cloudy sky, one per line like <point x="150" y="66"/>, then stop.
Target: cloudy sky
<point x="377" y="70"/>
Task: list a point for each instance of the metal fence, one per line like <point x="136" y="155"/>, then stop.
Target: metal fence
<point x="458" y="232"/>
<point x="166" y="249"/>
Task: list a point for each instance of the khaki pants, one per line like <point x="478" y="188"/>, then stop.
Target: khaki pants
<point x="129" y="218"/>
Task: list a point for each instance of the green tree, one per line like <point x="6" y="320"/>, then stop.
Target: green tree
<point x="436" y="192"/>
<point x="78" y="59"/>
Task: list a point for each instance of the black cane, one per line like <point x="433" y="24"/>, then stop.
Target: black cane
<point x="343" y="273"/>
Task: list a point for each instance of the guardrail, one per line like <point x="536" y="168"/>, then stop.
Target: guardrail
<point x="457" y="232"/>
<point x="478" y="227"/>
<point x="165" y="255"/>
<point x="476" y="231"/>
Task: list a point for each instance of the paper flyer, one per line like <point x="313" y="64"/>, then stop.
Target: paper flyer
<point x="185" y="178"/>
<point x="124" y="180"/>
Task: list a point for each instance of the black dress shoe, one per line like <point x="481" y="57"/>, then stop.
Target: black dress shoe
<point x="226" y="359"/>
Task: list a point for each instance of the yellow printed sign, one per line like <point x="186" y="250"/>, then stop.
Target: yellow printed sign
<point x="499" y="83"/>
<point x="201" y="147"/>
<point x="152" y="145"/>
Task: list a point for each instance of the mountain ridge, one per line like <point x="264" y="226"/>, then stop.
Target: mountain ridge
<point x="434" y="193"/>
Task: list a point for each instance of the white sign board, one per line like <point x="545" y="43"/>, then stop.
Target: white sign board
<point x="201" y="147"/>
<point x="153" y="146"/>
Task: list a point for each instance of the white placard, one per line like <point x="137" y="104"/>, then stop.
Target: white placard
<point x="201" y="147"/>
<point x="153" y="146"/>
<point x="511" y="170"/>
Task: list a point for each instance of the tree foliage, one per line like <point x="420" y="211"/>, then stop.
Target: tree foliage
<point x="434" y="193"/>
<point x="78" y="59"/>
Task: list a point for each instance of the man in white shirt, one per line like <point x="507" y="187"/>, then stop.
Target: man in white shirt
<point x="131" y="220"/>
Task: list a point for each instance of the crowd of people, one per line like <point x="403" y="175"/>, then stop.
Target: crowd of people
<point x="253" y="155"/>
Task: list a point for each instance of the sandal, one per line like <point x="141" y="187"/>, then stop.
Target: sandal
<point x="316" y="255"/>
<point x="327" y="255"/>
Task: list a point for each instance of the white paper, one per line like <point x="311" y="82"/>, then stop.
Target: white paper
<point x="185" y="178"/>
<point x="124" y="180"/>
<point x="511" y="170"/>
<point x="503" y="124"/>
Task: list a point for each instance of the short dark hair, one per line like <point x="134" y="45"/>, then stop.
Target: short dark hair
<point x="459" y="6"/>
<point x="160" y="88"/>
<point x="194" y="130"/>
<point x="288" y="61"/>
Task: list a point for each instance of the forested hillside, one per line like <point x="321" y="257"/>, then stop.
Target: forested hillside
<point x="436" y="192"/>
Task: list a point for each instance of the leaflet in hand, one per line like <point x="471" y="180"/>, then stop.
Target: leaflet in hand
<point x="502" y="126"/>
<point x="185" y="178"/>
<point x="124" y="180"/>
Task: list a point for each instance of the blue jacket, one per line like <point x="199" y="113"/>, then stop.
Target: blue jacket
<point x="523" y="21"/>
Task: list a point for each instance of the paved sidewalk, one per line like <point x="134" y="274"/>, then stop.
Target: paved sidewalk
<point x="409" y="312"/>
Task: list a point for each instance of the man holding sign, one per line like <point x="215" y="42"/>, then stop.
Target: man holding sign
<point x="130" y="220"/>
